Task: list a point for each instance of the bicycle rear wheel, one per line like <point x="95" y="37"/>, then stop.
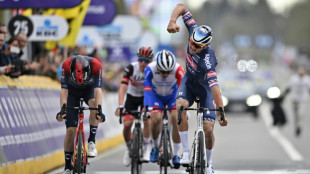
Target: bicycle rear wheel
<point x="136" y="152"/>
<point x="200" y="164"/>
<point x="79" y="163"/>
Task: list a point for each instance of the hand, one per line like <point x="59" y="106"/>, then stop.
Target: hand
<point x="173" y="27"/>
<point x="118" y="110"/>
<point x="100" y="117"/>
<point x="222" y="123"/>
<point x="60" y="116"/>
<point x="145" y="116"/>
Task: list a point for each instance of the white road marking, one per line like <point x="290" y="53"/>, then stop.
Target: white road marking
<point x="282" y="140"/>
<point x="219" y="172"/>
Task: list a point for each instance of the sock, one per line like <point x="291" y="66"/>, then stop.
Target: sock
<point x="92" y="133"/>
<point x="146" y="143"/>
<point x="184" y="140"/>
<point x="128" y="144"/>
<point x="209" y="156"/>
<point x="155" y="142"/>
<point x="176" y="147"/>
<point x="68" y="156"/>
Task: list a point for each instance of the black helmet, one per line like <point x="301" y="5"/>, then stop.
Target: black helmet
<point x="146" y="52"/>
<point x="79" y="69"/>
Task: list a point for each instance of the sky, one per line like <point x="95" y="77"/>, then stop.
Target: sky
<point x="279" y="6"/>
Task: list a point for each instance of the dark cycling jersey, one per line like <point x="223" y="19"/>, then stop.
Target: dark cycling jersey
<point x="201" y="66"/>
<point x="95" y="76"/>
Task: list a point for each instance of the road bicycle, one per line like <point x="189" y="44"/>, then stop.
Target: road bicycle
<point x="136" y="151"/>
<point x="197" y="155"/>
<point x="80" y="158"/>
<point x="165" y="142"/>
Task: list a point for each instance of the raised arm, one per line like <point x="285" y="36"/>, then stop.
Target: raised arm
<point x="177" y="11"/>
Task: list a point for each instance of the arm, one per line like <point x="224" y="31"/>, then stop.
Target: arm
<point x="63" y="100"/>
<point x="177" y="11"/>
<point x="219" y="103"/>
<point x="148" y="76"/>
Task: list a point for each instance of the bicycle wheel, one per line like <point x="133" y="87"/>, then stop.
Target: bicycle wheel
<point x="135" y="152"/>
<point x="200" y="164"/>
<point x="79" y="163"/>
<point x="164" y="157"/>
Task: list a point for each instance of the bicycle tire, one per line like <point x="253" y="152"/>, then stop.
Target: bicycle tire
<point x="135" y="152"/>
<point x="79" y="163"/>
<point x="200" y="164"/>
<point x="164" y="162"/>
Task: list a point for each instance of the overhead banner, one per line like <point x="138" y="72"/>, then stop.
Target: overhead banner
<point x="50" y="28"/>
<point x="39" y="3"/>
<point x="100" y="12"/>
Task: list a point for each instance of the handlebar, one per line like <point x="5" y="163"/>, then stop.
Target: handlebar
<point x="200" y="109"/>
<point x="131" y="112"/>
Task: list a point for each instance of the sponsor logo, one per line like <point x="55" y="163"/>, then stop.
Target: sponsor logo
<point x="211" y="74"/>
<point x="207" y="61"/>
<point x="190" y="62"/>
<point x="191" y="21"/>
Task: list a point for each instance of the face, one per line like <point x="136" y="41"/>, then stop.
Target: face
<point x="143" y="62"/>
<point x="22" y="39"/>
<point x="1" y="39"/>
<point x="301" y="71"/>
<point x="164" y="74"/>
<point x="3" y="30"/>
<point x="195" y="48"/>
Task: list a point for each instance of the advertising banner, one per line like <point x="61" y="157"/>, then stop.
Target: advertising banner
<point x="100" y="12"/>
<point x="39" y="3"/>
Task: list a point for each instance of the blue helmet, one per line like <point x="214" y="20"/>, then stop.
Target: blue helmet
<point x="202" y="35"/>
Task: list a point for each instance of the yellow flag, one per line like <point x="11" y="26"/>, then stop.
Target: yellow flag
<point x="75" y="17"/>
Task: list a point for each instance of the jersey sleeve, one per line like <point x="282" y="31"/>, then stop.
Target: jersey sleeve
<point x="65" y="73"/>
<point x="97" y="72"/>
<point x="128" y="71"/>
<point x="210" y="63"/>
<point x="148" y="92"/>
<point x="179" y="74"/>
<point x="189" y="22"/>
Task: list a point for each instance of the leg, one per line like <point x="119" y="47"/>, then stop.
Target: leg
<point x="156" y="127"/>
<point x="176" y="139"/>
<point x="93" y="125"/>
<point x="127" y="122"/>
<point x="146" y="140"/>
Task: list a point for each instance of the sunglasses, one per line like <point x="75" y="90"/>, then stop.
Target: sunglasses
<point x="195" y="44"/>
<point x="144" y="60"/>
<point x="164" y="72"/>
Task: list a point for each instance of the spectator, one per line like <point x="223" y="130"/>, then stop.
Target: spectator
<point x="3" y="29"/>
<point x="299" y="87"/>
<point x="2" y="38"/>
<point x="22" y="40"/>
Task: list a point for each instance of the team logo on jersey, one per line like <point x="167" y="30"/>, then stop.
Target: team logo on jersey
<point x="191" y="21"/>
<point x="211" y="74"/>
<point x="207" y="61"/>
<point x="191" y="62"/>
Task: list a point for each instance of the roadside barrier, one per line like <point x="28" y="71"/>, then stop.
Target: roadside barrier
<point x="31" y="139"/>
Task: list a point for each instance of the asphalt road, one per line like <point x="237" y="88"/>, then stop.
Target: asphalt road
<point x="245" y="146"/>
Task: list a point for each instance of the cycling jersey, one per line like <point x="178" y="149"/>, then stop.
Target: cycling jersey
<point x="133" y="75"/>
<point x="95" y="76"/>
<point x="159" y="90"/>
<point x="200" y="74"/>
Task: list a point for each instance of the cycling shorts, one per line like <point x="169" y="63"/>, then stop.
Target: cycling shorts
<point x="132" y="103"/>
<point x="73" y="100"/>
<point x="189" y="90"/>
<point x="158" y="101"/>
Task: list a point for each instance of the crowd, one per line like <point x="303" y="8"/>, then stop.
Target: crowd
<point x="14" y="61"/>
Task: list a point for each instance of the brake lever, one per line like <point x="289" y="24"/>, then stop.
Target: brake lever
<point x="179" y="115"/>
<point x="222" y="113"/>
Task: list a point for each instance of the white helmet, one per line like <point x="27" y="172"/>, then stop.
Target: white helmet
<point x="165" y="60"/>
<point x="202" y="35"/>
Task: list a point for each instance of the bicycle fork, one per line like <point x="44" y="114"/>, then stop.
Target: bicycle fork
<point x="197" y="139"/>
<point x="80" y="128"/>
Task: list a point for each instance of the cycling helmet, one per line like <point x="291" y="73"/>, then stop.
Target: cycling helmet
<point x="165" y="61"/>
<point x="145" y="52"/>
<point x="202" y="35"/>
<point x="79" y="69"/>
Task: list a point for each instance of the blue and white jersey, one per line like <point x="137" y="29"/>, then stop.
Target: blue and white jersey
<point x="155" y="84"/>
<point x="200" y="67"/>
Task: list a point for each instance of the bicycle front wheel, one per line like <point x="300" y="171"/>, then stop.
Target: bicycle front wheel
<point x="164" y="161"/>
<point x="200" y="163"/>
<point x="79" y="163"/>
<point x="136" y="152"/>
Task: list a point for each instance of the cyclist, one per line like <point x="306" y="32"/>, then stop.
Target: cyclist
<point x="132" y="83"/>
<point x="199" y="81"/>
<point x="81" y="78"/>
<point x="162" y="79"/>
